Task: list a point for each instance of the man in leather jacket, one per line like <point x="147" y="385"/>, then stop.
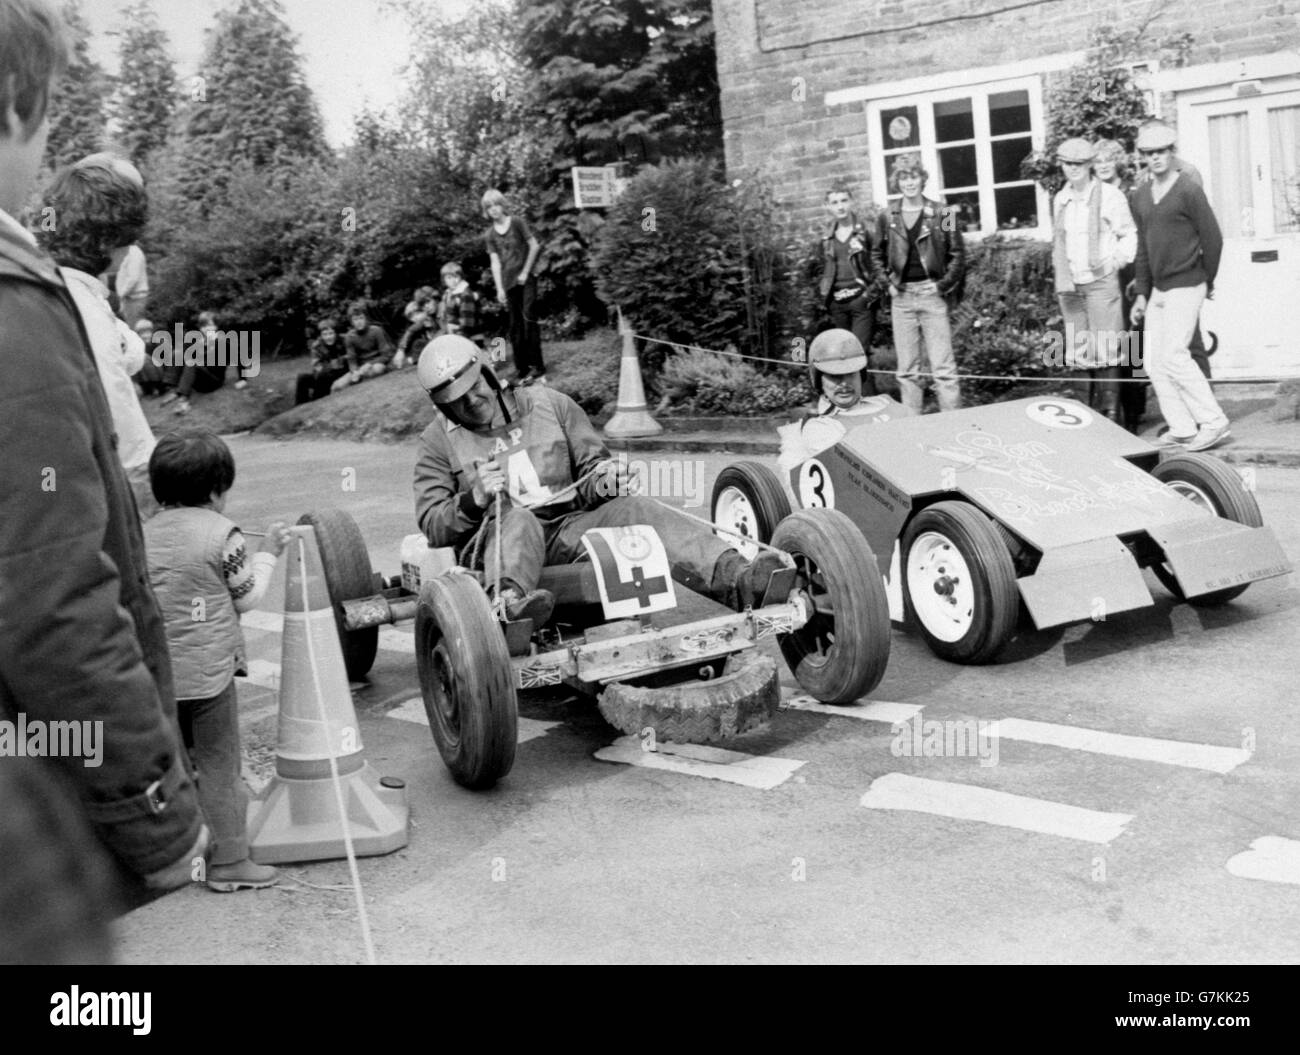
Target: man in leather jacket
<point x="847" y="286"/>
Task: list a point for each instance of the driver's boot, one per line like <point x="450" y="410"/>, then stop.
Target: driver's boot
<point x="741" y="584"/>
<point x="536" y="605"/>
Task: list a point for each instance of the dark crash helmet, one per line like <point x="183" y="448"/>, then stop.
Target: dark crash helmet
<point x="834" y="352"/>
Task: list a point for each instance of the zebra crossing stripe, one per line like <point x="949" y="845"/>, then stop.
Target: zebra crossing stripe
<point x="699" y="760"/>
<point x="412" y="711"/>
<point x="967" y="802"/>
<point x="1271" y="858"/>
<point x="873" y="711"/>
<point x="1147" y="749"/>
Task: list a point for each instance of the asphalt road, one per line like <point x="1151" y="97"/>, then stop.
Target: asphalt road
<point x="1063" y="846"/>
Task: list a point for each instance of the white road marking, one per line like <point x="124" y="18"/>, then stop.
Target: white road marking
<point x="1148" y="749"/>
<point x="1271" y="858"/>
<point x="875" y="711"/>
<point x="701" y="760"/>
<point x="264" y="673"/>
<point x="898" y="791"/>
<point x="413" y="711"/>
<point x="391" y="638"/>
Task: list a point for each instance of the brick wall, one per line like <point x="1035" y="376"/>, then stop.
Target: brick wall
<point x="778" y="58"/>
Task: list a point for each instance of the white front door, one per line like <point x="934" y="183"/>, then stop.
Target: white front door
<point x="1248" y="150"/>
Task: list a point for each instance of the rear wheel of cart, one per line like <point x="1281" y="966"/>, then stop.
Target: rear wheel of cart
<point x="959" y="582"/>
<point x="348" y="576"/>
<point x="748" y="499"/>
<point x="466" y="680"/>
<point x="1216" y="488"/>
<point x="841" y="653"/>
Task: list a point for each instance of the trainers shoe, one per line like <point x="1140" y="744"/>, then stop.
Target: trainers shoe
<point x="1167" y="439"/>
<point x="241" y="383"/>
<point x="1209" y="436"/>
<point x="242" y="875"/>
<point x="536" y="605"/>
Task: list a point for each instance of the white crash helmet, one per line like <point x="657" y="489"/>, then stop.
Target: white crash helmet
<point x="449" y="367"/>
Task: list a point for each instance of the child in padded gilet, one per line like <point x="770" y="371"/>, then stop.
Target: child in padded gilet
<point x="204" y="579"/>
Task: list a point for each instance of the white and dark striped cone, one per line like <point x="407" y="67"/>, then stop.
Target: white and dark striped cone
<point x="296" y="818"/>
<point x="632" y="417"/>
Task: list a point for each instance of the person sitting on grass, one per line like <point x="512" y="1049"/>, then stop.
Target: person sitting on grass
<point x="150" y="378"/>
<point x="328" y="364"/>
<point x="368" y="349"/>
<point x="205" y="374"/>
<point x="198" y="561"/>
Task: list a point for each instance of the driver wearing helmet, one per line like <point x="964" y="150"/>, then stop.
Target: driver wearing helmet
<point x="837" y="371"/>
<point x="536" y="447"/>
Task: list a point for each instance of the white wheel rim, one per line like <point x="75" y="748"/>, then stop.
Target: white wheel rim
<point x="939" y="584"/>
<point x="1194" y="494"/>
<point x="735" y="512"/>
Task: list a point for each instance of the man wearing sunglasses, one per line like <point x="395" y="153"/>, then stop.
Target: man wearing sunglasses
<point x="1179" y="247"/>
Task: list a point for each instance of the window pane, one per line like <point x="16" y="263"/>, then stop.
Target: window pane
<point x="1017" y="206"/>
<point x="1008" y="112"/>
<point x="1284" y="146"/>
<point x="967" y="204"/>
<point x="1007" y="155"/>
<point x="954" y="120"/>
<point x="898" y="128"/>
<point x="957" y="165"/>
<point x="1230" y="174"/>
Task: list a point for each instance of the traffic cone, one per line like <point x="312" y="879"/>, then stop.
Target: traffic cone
<point x="632" y="416"/>
<point x="296" y="818"/>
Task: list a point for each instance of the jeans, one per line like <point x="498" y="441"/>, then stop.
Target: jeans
<point x="527" y="543"/>
<point x="1093" y="318"/>
<point x="918" y="310"/>
<point x="525" y="336"/>
<point x="210" y="728"/>
<point x="1186" y="400"/>
<point x="315" y="386"/>
<point x="859" y="316"/>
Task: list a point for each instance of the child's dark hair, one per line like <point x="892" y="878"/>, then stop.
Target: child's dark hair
<point x="95" y="209"/>
<point x="358" y="307"/>
<point x="189" y="466"/>
<point x="34" y="50"/>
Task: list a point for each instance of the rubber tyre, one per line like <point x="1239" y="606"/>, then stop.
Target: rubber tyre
<point x="1214" y="485"/>
<point x="755" y="484"/>
<point x="699" y="712"/>
<point x="348" y="576"/>
<point x="992" y="600"/>
<point x="466" y="680"/>
<point x="841" y="653"/>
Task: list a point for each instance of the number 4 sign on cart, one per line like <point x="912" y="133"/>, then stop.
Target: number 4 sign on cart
<point x="631" y="570"/>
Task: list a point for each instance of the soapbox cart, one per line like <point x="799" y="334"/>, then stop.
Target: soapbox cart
<point x="1040" y="501"/>
<point x="655" y="654"/>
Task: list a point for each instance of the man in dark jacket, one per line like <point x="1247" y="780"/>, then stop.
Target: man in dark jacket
<point x="920" y="251"/>
<point x="81" y="638"/>
<point x="846" y="285"/>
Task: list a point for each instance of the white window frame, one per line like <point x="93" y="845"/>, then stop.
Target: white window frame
<point x="978" y="94"/>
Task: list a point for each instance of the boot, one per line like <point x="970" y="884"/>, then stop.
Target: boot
<point x="536" y="605"/>
<point x="1108" y="398"/>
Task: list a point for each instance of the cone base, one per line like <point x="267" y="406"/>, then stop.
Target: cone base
<point x="298" y="820"/>
<point x="628" y="423"/>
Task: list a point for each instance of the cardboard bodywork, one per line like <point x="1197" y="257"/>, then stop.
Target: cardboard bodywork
<point x="1059" y="478"/>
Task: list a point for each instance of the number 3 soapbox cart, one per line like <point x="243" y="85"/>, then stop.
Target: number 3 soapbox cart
<point x="1035" y="500"/>
<point x="690" y="670"/>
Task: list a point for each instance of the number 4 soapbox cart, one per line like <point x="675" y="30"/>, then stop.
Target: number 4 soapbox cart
<point x="973" y="511"/>
<point x="656" y="657"/>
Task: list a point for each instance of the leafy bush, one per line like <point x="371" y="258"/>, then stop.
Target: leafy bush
<point x="1005" y="321"/>
<point x="695" y="381"/>
<point x="688" y="262"/>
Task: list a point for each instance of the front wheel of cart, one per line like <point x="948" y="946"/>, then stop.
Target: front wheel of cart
<point x="959" y="582"/>
<point x="1216" y="488"/>
<point x="841" y="653"/>
<point x="748" y="500"/>
<point x="466" y="680"/>
<point x="348" y="577"/>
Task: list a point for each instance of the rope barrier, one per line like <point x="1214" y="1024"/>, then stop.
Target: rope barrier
<point x="1070" y="378"/>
